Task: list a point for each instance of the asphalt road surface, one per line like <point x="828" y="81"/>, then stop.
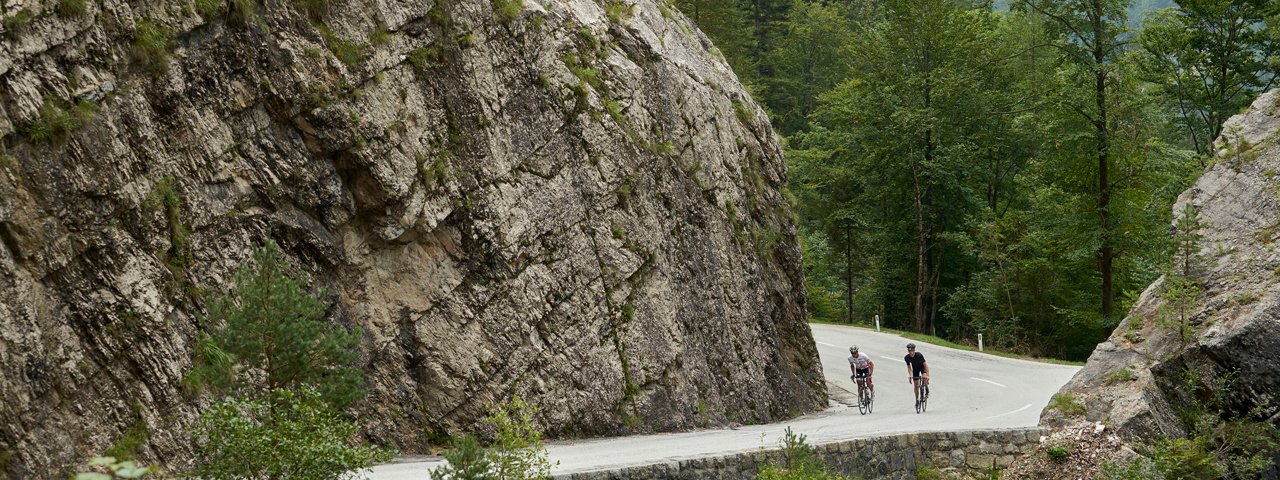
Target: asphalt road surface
<point x="968" y="390"/>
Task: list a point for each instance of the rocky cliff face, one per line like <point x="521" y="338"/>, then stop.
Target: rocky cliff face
<point x="1215" y="349"/>
<point x="568" y="200"/>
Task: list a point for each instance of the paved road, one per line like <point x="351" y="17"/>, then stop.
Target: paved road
<point x="969" y="390"/>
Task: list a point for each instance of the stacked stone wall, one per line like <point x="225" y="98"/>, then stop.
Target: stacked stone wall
<point x="960" y="454"/>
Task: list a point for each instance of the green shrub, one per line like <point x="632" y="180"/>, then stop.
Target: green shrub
<point x="424" y="59"/>
<point x="17" y="23"/>
<point x="347" y="51"/>
<point x="211" y="8"/>
<point x="1187" y="458"/>
<point x="617" y="11"/>
<point x="588" y="75"/>
<point x="517" y="451"/>
<point x="1245" y="447"/>
<point x="1058" y="452"/>
<point x="1139" y="469"/>
<point x="71" y="8"/>
<point x="109" y="468"/>
<point x="1067" y="404"/>
<point x="615" y="110"/>
<point x="800" y="461"/>
<point x="269" y="333"/>
<point x="287" y="434"/>
<point x="380" y="36"/>
<point x="744" y="113"/>
<point x="507" y="11"/>
<point x="466" y="461"/>
<point x="128" y="444"/>
<point x="151" y="44"/>
<point x="54" y="122"/>
<point x="242" y="11"/>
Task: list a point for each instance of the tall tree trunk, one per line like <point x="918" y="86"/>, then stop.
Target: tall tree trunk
<point x="848" y="275"/>
<point x="1106" y="251"/>
<point x="922" y="255"/>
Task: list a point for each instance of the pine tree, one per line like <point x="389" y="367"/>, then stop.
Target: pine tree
<point x="270" y="335"/>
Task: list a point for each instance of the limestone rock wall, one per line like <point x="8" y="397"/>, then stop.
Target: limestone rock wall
<point x="1152" y="368"/>
<point x="568" y="200"/>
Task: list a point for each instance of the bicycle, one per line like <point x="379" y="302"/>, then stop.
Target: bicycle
<point x="866" y="396"/>
<point x="922" y="397"/>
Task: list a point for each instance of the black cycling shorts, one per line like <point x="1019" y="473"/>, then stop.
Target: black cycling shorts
<point x="862" y="372"/>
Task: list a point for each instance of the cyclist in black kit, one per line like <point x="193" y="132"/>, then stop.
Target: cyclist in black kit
<point x="917" y="369"/>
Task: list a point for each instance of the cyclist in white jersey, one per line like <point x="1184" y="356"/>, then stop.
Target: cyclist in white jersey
<point x="862" y="366"/>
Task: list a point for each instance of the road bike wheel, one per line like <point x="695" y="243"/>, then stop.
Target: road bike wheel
<point x="919" y="397"/>
<point x="862" y="399"/>
<point x="871" y="399"/>
<point x="924" y="398"/>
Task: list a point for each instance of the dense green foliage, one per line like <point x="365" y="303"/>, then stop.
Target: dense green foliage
<point x="964" y="167"/>
<point x="516" y="452"/>
<point x="285" y="375"/>
<point x="467" y="460"/>
<point x="291" y="434"/>
<point x="270" y="334"/>
<point x="800" y="462"/>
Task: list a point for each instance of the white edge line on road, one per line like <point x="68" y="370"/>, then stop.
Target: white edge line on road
<point x="888" y="358"/>
<point x="989" y="381"/>
<point x="1024" y="407"/>
<point x="824" y="343"/>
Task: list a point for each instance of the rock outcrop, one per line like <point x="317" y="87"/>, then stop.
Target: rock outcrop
<point x="1215" y="349"/>
<point x="568" y="200"/>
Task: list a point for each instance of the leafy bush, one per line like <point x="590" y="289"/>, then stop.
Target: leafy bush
<point x="1138" y="469"/>
<point x="800" y="461"/>
<point x="17" y="23"/>
<point x="466" y="461"/>
<point x="54" y="121"/>
<point x="507" y="10"/>
<point x="71" y="8"/>
<point x="617" y="11"/>
<point x="349" y="52"/>
<point x="517" y="451"/>
<point x="1246" y="448"/>
<point x="151" y="44"/>
<point x="1187" y="458"/>
<point x="287" y="435"/>
<point x="108" y="468"/>
<point x="1058" y="453"/>
<point x="210" y="8"/>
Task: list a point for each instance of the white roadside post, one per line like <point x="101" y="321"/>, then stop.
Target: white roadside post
<point x="877" y="322"/>
<point x="979" y="342"/>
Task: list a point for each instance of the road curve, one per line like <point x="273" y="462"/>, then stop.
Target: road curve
<point x="969" y="391"/>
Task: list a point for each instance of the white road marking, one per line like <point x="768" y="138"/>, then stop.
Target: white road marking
<point x="1024" y="407"/>
<point x="989" y="381"/>
<point x="888" y="358"/>
<point x="825" y="343"/>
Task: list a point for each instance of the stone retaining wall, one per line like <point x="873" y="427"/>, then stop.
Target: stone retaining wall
<point x="955" y="454"/>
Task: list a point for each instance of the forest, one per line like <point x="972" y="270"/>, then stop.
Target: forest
<point x="1006" y="168"/>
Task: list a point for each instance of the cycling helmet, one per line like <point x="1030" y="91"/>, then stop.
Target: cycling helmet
<point x="911" y="346"/>
<point x="853" y="349"/>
